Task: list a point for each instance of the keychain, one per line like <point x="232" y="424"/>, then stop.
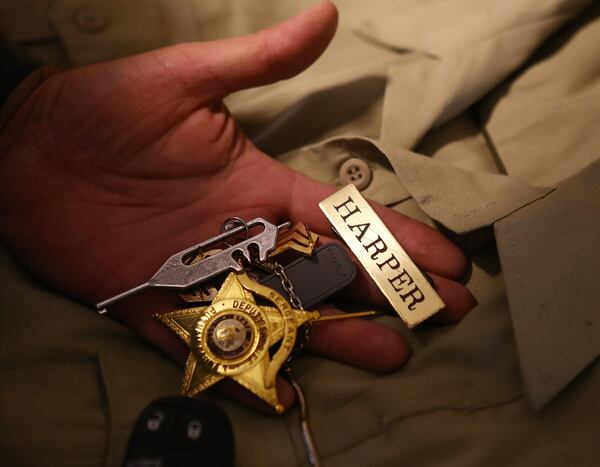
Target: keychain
<point x="246" y="328"/>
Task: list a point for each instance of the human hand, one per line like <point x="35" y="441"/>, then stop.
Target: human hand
<point x="107" y="170"/>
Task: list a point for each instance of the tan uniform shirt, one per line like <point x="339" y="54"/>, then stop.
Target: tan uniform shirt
<point x="479" y="117"/>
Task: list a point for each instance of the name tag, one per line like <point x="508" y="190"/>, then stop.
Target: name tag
<point x="396" y="275"/>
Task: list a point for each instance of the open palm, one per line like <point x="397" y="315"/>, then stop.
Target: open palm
<point x="107" y="170"/>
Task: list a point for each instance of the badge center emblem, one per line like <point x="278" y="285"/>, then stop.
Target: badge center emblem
<point x="231" y="336"/>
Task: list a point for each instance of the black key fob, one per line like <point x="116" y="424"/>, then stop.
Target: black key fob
<point x="181" y="432"/>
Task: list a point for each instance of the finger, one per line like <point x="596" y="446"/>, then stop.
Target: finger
<point x="457" y="298"/>
<point x="272" y="54"/>
<point x="358" y="342"/>
<point x="426" y="246"/>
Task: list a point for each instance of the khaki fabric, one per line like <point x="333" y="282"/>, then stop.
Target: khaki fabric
<point x="542" y="302"/>
<point x="469" y="114"/>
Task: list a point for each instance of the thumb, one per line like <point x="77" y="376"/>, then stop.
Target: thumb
<point x="212" y="70"/>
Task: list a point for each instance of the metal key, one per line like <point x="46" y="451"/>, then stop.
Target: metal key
<point x="176" y="274"/>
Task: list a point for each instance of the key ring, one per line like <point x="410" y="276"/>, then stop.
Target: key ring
<point x="231" y="223"/>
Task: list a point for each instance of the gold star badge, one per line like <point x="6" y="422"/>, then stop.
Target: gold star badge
<point x="231" y="337"/>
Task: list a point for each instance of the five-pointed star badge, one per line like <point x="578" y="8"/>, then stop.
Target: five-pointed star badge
<point x="231" y="337"/>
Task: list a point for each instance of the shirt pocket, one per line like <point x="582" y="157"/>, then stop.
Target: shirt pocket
<point x="464" y="369"/>
<point x="55" y="414"/>
<point x="131" y="381"/>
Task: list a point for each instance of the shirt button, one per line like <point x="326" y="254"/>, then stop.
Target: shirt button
<point x="90" y="20"/>
<point x="356" y="171"/>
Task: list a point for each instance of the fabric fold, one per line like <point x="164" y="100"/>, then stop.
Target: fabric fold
<point x="424" y="93"/>
<point x="424" y="26"/>
<point x="550" y="256"/>
<point x="460" y="200"/>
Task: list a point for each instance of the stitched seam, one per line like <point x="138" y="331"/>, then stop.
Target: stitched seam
<point x="552" y="190"/>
